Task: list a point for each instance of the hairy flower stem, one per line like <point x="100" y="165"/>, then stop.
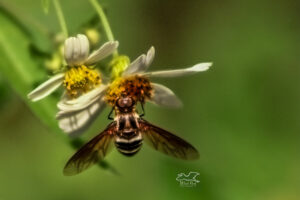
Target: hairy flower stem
<point x="61" y="18"/>
<point x="104" y="22"/>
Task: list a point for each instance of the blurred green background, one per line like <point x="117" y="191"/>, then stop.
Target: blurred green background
<point x="242" y="115"/>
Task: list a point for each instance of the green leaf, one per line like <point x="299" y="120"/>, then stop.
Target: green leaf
<point x="34" y="29"/>
<point x="5" y="94"/>
<point x="22" y="72"/>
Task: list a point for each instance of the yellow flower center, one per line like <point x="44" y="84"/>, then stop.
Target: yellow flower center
<point x="138" y="87"/>
<point x="80" y="79"/>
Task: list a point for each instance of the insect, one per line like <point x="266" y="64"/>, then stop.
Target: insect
<point x="128" y="131"/>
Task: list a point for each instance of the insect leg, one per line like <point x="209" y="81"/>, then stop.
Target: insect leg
<point x="110" y="113"/>
<point x="143" y="114"/>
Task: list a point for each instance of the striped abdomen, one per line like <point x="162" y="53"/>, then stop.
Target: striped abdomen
<point x="129" y="143"/>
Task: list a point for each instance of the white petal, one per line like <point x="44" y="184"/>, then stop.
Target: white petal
<point x="76" y="50"/>
<point x="135" y="65"/>
<point x="84" y="47"/>
<point x="66" y="105"/>
<point x="150" y="56"/>
<point x="68" y="109"/>
<point x="181" y="72"/>
<point x="105" y="50"/>
<point x="46" y="88"/>
<point x="68" y="50"/>
<point x="163" y="96"/>
<point x="76" y="123"/>
<point x="140" y="64"/>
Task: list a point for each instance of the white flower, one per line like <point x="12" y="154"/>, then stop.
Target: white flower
<point x="76" y="115"/>
<point x="78" y="78"/>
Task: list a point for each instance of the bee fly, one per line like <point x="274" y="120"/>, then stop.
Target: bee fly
<point x="128" y="131"/>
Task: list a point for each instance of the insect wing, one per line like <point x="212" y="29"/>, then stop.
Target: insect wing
<point x="93" y="151"/>
<point x="167" y="142"/>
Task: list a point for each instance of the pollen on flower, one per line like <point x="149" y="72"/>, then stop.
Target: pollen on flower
<point x="138" y="87"/>
<point x="81" y="79"/>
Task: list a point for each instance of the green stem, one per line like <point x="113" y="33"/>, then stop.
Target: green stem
<point x="61" y="18"/>
<point x="104" y="21"/>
